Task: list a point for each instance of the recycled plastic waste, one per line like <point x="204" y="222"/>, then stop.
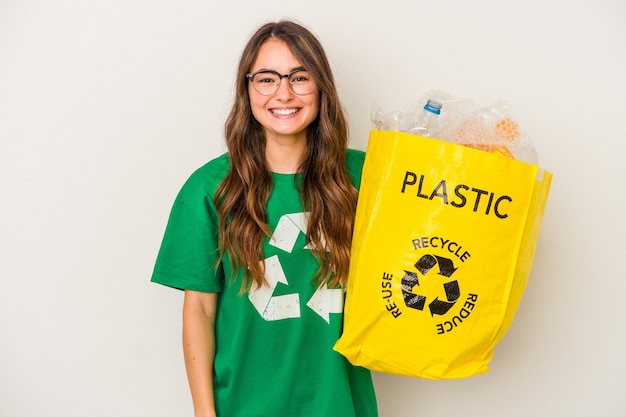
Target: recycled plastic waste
<point x="444" y="241"/>
<point x="428" y="124"/>
<point x="490" y="128"/>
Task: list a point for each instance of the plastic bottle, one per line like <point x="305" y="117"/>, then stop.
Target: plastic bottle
<point x="428" y="124"/>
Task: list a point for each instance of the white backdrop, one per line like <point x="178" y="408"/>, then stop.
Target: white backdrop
<point x="107" y="106"/>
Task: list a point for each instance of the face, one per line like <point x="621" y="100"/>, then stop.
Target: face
<point x="284" y="115"/>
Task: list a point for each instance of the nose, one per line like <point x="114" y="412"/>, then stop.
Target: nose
<point x="284" y="89"/>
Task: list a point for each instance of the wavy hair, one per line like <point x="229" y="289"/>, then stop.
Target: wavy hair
<point x="326" y="190"/>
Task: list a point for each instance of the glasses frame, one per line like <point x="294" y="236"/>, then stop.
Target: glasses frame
<point x="280" y="76"/>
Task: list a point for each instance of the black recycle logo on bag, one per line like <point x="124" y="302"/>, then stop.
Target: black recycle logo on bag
<point x="424" y="266"/>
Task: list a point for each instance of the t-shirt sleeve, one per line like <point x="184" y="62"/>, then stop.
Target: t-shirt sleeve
<point x="189" y="250"/>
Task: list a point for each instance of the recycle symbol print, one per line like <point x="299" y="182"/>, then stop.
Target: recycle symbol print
<point x="451" y="288"/>
<point x="324" y="302"/>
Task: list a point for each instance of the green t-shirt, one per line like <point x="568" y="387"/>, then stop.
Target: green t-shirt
<point x="274" y="355"/>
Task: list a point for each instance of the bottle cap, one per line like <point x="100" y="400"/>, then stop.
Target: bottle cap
<point x="433" y="106"/>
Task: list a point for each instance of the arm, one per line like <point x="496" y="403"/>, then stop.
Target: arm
<point x="199" y="349"/>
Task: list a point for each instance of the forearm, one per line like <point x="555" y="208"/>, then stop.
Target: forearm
<point x="199" y="350"/>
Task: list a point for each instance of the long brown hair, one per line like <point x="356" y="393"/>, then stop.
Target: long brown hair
<point x="326" y="190"/>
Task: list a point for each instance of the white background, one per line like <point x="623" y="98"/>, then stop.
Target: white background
<point x="107" y="106"/>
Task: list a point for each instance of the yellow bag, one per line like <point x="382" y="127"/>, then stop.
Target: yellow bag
<point x="444" y="240"/>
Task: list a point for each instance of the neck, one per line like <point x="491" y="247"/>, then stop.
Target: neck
<point x="285" y="156"/>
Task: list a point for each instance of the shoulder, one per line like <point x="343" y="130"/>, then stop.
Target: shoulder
<point x="216" y="168"/>
<point x="355" y="157"/>
<point x="354" y="165"/>
<point x="204" y="180"/>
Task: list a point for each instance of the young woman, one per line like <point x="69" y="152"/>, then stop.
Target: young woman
<point x="259" y="238"/>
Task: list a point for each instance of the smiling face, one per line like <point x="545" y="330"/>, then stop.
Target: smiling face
<point x="284" y="115"/>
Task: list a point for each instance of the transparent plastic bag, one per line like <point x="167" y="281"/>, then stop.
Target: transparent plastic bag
<point x="490" y="129"/>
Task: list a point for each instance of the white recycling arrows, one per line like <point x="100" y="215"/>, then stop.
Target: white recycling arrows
<point x="323" y="302"/>
<point x="287" y="231"/>
<point x="281" y="306"/>
<point x="326" y="301"/>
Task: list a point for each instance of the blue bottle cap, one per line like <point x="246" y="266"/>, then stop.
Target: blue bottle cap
<point x="433" y="106"/>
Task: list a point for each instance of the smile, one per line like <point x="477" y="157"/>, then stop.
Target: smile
<point x="284" y="112"/>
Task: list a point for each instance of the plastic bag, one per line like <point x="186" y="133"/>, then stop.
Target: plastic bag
<point x="444" y="240"/>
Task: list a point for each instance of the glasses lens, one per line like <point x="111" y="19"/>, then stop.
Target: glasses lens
<point x="266" y="83"/>
<point x="301" y="83"/>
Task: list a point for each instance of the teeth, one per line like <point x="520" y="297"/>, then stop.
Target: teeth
<point x="284" y="112"/>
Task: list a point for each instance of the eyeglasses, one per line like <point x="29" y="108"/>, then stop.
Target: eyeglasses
<point x="267" y="82"/>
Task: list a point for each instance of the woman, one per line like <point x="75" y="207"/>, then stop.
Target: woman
<point x="259" y="239"/>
